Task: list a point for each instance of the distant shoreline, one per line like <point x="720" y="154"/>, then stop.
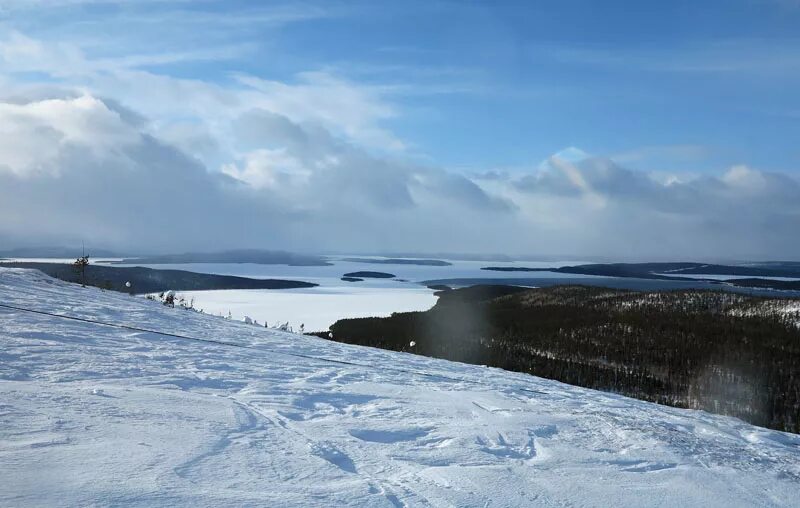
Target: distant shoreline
<point x="398" y="261"/>
<point x="258" y="257"/>
<point x="752" y="277"/>
<point x="152" y="280"/>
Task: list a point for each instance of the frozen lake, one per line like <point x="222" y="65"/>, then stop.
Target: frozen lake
<point x="318" y="308"/>
<point x="331" y="275"/>
<point x="334" y="299"/>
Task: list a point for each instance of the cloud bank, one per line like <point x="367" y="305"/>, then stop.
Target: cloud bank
<point x="122" y="157"/>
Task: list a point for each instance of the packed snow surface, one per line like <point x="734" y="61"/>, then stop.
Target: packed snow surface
<point x="99" y="415"/>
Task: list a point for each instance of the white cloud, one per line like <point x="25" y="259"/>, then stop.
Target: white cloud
<point x="20" y="53"/>
<point x="33" y="135"/>
<point x="81" y="168"/>
<point x="348" y="109"/>
<point x="265" y="168"/>
<point x="745" y="179"/>
<point x="106" y="150"/>
<point x="741" y="212"/>
<point x="332" y="102"/>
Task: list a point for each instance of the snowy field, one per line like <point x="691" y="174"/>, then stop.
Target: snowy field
<point x="98" y="415"/>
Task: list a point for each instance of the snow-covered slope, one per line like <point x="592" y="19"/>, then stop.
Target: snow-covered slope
<point x="92" y="414"/>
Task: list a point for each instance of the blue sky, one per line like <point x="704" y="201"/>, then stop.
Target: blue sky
<point x="453" y="96"/>
<point x="478" y="84"/>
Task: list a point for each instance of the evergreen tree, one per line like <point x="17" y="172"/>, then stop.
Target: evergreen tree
<point x="80" y="265"/>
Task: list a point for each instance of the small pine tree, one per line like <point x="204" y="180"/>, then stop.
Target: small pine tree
<point x="80" y="265"/>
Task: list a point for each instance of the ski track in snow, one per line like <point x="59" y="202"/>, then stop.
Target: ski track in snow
<point x="93" y="415"/>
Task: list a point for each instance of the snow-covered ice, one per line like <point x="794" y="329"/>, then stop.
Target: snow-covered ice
<point x="318" y="308"/>
<point x="96" y="415"/>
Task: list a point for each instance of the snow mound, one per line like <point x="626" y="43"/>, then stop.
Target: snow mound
<point x="108" y="415"/>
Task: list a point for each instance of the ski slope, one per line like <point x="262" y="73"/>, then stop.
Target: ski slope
<point x="100" y="415"/>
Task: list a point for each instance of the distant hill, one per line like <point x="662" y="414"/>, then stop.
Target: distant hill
<point x="56" y="252"/>
<point x="260" y="257"/>
<point x="399" y="261"/>
<point x="678" y="269"/>
<point x="149" y="280"/>
<point x="750" y="273"/>
<point x="668" y="270"/>
<point x="457" y="256"/>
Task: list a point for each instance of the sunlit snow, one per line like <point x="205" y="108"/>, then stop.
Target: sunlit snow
<point x="99" y="415"/>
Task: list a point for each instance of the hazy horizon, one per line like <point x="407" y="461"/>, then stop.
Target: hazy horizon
<point x="96" y="252"/>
